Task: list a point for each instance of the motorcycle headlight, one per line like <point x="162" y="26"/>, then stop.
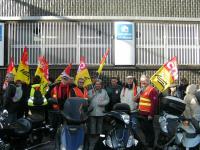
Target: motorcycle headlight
<point x="62" y="147"/>
<point x="163" y="124"/>
<point x="109" y="142"/>
<point x="126" y="118"/>
<point x="130" y="141"/>
<point x="80" y="147"/>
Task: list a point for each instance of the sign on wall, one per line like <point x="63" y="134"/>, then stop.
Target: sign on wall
<point x="124" y="43"/>
<point x="1" y="44"/>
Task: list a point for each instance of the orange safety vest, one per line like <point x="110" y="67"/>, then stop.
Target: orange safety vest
<point x="81" y="94"/>
<point x="145" y="101"/>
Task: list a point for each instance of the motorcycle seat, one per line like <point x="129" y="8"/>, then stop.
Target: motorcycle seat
<point x="21" y="127"/>
<point x="36" y="120"/>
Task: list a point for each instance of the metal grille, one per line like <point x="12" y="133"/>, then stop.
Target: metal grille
<point x="157" y="43"/>
<point x="60" y="42"/>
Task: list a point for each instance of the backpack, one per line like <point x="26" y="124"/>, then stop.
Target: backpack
<point x="38" y="97"/>
<point x="197" y="94"/>
<point x="18" y="94"/>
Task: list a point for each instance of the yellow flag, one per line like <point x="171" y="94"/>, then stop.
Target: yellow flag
<point x="23" y="69"/>
<point x="103" y="60"/>
<point x="43" y="72"/>
<point x="166" y="75"/>
<point x="83" y="73"/>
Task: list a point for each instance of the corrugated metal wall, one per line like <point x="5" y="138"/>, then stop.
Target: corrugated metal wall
<point x="60" y="42"/>
<point x="65" y="42"/>
<point x="157" y="43"/>
<point x="153" y="8"/>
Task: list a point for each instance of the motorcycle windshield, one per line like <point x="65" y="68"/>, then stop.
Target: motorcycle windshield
<point x="120" y="137"/>
<point x="75" y="110"/>
<point x="72" y="137"/>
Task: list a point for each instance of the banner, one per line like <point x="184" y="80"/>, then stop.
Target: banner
<point x="23" y="68"/>
<point x="82" y="72"/>
<point x="166" y="75"/>
<point x="103" y="60"/>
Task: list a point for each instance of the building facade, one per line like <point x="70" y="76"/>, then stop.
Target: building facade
<point x="65" y="30"/>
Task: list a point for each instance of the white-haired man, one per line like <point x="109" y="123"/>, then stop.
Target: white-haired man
<point x="148" y="103"/>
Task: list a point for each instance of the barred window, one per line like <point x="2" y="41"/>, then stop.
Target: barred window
<point x="60" y="42"/>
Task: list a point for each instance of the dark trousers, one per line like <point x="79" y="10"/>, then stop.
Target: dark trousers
<point x="148" y="130"/>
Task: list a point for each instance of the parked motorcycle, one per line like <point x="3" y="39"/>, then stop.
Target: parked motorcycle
<point x="171" y="111"/>
<point x="188" y="134"/>
<point x="13" y="135"/>
<point x="120" y="134"/>
<point x="70" y="136"/>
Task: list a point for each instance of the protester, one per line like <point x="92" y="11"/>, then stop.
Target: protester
<point x="173" y="90"/>
<point x="79" y="90"/>
<point x="61" y="91"/>
<point x="9" y="102"/>
<point x="182" y="88"/>
<point x="192" y="109"/>
<point x="148" y="105"/>
<point x="23" y="107"/>
<point x="114" y="91"/>
<point x="130" y="93"/>
<point x="98" y="99"/>
<point x="37" y="102"/>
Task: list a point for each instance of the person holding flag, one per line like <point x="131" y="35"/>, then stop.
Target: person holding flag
<point x="148" y="103"/>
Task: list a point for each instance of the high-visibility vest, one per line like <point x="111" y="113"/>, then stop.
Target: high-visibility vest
<point x="145" y="101"/>
<point x="81" y="94"/>
<point x="57" y="93"/>
<point x="31" y="99"/>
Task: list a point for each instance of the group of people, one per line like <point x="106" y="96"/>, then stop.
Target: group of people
<point x="143" y="97"/>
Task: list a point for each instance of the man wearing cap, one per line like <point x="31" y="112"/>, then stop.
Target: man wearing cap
<point x="130" y="92"/>
<point x="62" y="90"/>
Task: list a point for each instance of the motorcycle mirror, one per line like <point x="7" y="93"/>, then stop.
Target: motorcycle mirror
<point x="5" y="112"/>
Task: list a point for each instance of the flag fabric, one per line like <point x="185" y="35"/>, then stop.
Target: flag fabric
<point x="23" y="73"/>
<point x="43" y="71"/>
<point x="82" y="72"/>
<point x="166" y="75"/>
<point x="65" y="72"/>
<point x="11" y="67"/>
<point x="103" y="60"/>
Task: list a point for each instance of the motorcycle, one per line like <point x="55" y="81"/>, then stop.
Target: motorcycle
<point x="120" y="133"/>
<point x="171" y="113"/>
<point x="188" y="134"/>
<point x="13" y="135"/>
<point x="71" y="134"/>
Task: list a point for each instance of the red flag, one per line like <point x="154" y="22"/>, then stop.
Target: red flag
<point x="11" y="67"/>
<point x="66" y="72"/>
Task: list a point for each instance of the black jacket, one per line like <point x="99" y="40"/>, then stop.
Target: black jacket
<point x="8" y="95"/>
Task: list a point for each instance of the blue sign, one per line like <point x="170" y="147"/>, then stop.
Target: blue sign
<point x="1" y="31"/>
<point x="124" y="32"/>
